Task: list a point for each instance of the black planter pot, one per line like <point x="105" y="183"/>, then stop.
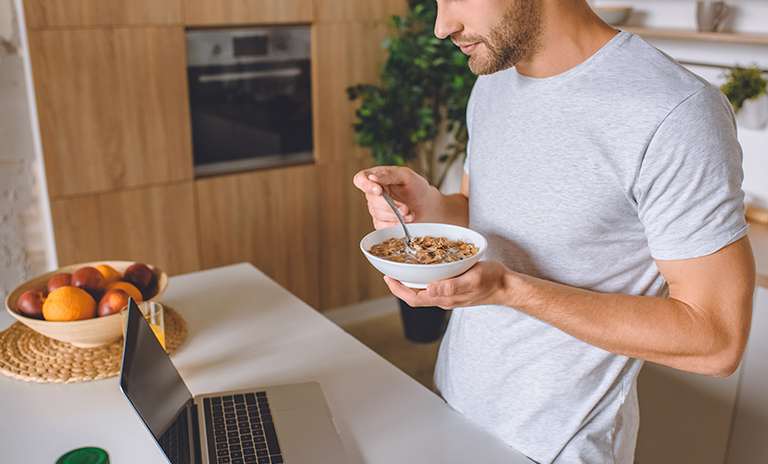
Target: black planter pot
<point x="422" y="324"/>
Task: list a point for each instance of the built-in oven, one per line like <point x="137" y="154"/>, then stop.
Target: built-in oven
<point x="250" y="98"/>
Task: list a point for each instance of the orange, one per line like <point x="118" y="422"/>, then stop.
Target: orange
<point x="128" y="287"/>
<point x="69" y="304"/>
<point x="109" y="273"/>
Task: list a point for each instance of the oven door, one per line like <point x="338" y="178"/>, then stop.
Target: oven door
<point x="252" y="115"/>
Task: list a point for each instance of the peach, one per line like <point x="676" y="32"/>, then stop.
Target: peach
<point x="91" y="280"/>
<point x="112" y="302"/>
<point x="59" y="280"/>
<point x="30" y="304"/>
<point x="142" y="277"/>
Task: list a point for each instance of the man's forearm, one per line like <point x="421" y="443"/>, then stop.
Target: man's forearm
<point x="663" y="330"/>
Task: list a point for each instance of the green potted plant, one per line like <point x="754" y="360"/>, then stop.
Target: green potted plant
<point x="747" y="91"/>
<point x="416" y="117"/>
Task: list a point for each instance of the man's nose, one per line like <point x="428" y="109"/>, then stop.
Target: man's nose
<point x="446" y="22"/>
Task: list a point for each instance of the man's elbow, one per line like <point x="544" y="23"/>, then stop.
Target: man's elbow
<point x="724" y="367"/>
<point x="728" y="358"/>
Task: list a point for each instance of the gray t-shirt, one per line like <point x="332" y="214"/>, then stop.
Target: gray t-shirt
<point x="584" y="178"/>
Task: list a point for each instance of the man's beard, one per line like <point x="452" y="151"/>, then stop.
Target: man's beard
<point x="514" y="39"/>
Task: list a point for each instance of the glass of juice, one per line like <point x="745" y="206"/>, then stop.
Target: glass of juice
<point x="154" y="314"/>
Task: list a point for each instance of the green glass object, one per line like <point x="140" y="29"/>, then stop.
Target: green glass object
<point x="85" y="456"/>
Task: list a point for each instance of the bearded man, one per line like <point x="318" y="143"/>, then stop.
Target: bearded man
<point x="604" y="176"/>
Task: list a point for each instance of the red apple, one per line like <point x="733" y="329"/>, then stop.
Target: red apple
<point x="142" y="277"/>
<point x="91" y="280"/>
<point x="30" y="304"/>
<point x="112" y="302"/>
<point x="59" y="280"/>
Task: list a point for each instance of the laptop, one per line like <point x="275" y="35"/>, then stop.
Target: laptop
<point x="278" y="424"/>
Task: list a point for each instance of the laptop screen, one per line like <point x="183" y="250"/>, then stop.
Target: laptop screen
<point x="148" y="377"/>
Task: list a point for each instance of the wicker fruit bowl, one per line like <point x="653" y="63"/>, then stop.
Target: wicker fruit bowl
<point x="87" y="333"/>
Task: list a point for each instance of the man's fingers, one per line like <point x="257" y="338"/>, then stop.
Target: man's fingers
<point x="367" y="185"/>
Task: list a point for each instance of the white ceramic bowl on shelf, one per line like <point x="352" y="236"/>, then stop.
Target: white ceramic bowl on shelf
<point x="86" y="333"/>
<point x="421" y="275"/>
<point x="613" y="15"/>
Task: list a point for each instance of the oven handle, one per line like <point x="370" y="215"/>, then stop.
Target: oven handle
<point x="244" y="75"/>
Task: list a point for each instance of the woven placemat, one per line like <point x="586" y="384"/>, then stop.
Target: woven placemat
<point x="30" y="356"/>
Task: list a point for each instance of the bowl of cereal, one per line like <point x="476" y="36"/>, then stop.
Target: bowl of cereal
<point x="445" y="251"/>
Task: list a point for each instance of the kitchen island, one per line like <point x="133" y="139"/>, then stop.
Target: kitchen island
<point x="244" y="330"/>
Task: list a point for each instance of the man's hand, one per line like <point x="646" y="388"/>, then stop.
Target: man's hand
<point x="416" y="200"/>
<point x="407" y="189"/>
<point x="484" y="283"/>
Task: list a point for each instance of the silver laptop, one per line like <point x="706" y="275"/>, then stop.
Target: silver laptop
<point x="280" y="424"/>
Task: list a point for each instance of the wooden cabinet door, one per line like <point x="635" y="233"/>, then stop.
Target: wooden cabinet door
<point x="41" y="14"/>
<point x="268" y="218"/>
<point x="346" y="277"/>
<point x="155" y="225"/>
<point x="358" y="10"/>
<point x="113" y="107"/>
<point x="230" y="12"/>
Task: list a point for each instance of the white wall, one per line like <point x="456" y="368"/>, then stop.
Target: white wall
<point x="26" y="244"/>
<point x="748" y="16"/>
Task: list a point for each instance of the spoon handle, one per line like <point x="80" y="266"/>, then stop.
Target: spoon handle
<point x="388" y="199"/>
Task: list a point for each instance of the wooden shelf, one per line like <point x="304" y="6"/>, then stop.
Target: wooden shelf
<point x="715" y="37"/>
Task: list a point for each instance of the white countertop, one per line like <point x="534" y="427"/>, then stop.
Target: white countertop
<point x="246" y="331"/>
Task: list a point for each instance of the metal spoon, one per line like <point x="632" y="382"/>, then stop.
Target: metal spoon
<point x="408" y="238"/>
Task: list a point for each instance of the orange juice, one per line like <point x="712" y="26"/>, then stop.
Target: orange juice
<point x="159" y="333"/>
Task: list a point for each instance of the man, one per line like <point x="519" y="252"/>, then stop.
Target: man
<point x="598" y="169"/>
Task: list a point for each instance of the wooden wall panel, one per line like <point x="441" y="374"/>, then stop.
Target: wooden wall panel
<point x="346" y="276"/>
<point x="357" y="10"/>
<point x="42" y="14"/>
<point x="232" y="12"/>
<point x="344" y="54"/>
<point x="346" y="51"/>
<point x="268" y="218"/>
<point x="113" y="107"/>
<point x="153" y="224"/>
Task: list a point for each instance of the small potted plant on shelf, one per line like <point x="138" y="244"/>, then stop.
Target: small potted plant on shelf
<point x="416" y="117"/>
<point x="746" y="89"/>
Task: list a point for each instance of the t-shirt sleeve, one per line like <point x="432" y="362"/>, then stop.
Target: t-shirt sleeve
<point x="688" y="191"/>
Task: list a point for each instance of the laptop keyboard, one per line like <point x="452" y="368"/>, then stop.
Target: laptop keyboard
<point x="243" y="430"/>
<point x="175" y="440"/>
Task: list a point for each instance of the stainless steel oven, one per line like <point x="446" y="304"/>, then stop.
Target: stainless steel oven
<point x="250" y="98"/>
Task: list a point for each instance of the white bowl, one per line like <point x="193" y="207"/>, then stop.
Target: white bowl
<point x="87" y="333"/>
<point x="613" y="15"/>
<point x="421" y="275"/>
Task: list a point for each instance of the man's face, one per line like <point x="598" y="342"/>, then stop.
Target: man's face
<point x="496" y="34"/>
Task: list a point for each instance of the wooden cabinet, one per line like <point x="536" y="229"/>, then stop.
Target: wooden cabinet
<point x="113" y="107"/>
<point x="346" y="51"/>
<point x="344" y="54"/>
<point x="111" y="86"/>
<point x="268" y="218"/>
<point x="356" y="10"/>
<point x="42" y="14"/>
<point x="230" y="12"/>
<point x="346" y="277"/>
<point x="155" y="224"/>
